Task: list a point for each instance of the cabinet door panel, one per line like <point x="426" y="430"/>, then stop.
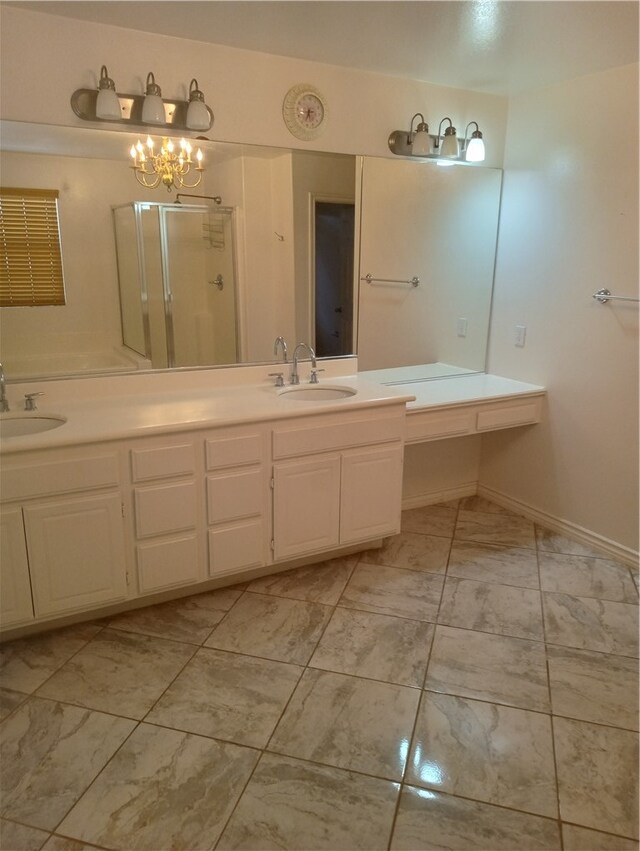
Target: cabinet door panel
<point x="306" y="508"/>
<point x="15" y="588"/>
<point x="76" y="553"/>
<point x="371" y="493"/>
<point x="237" y="546"/>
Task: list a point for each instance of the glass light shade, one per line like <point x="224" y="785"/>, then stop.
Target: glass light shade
<point x="153" y="110"/>
<point x="198" y="117"/>
<point x="153" y="107"/>
<point x="449" y="146"/>
<point x="108" y="105"/>
<point x="421" y="145"/>
<point x="475" y="151"/>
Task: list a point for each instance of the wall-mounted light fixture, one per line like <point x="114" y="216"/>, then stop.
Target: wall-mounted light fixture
<point x="473" y="149"/>
<point x="420" y="143"/>
<point x="448" y="148"/>
<point x="152" y="106"/>
<point x="169" y="166"/>
<point x="105" y="104"/>
<point x="198" y="117"/>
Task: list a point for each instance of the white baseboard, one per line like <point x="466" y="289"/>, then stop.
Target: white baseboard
<point x="432" y="497"/>
<point x="564" y="527"/>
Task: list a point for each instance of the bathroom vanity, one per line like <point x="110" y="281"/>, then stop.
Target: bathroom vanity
<point x="144" y="495"/>
<point x="137" y="496"/>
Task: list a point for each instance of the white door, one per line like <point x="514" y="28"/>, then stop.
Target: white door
<point x="306" y="506"/>
<point x="371" y="493"/>
<point x="76" y="553"/>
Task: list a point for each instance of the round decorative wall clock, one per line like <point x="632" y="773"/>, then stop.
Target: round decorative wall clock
<point x="304" y="111"/>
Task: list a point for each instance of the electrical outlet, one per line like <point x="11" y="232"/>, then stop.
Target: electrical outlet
<point x="520" y="334"/>
<point x="461" y="327"/>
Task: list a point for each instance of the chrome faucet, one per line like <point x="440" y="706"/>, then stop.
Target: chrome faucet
<point x="280" y="341"/>
<point x="4" y="402"/>
<point x="295" y="378"/>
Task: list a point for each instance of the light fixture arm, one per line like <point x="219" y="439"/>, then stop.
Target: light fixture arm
<point x="449" y="131"/>
<point x="475" y="135"/>
<point x="423" y="127"/>
<point x="105" y="81"/>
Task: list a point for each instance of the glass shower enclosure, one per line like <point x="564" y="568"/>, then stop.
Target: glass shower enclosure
<point x="177" y="282"/>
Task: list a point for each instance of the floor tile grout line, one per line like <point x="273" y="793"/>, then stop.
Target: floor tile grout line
<point x="54" y="672"/>
<point x="86" y="789"/>
<point x="422" y="691"/>
<point x="550" y="696"/>
<point x="138" y="722"/>
<point x="334" y="607"/>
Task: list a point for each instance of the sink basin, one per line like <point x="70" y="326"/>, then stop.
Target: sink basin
<point x="317" y="393"/>
<point x="17" y="425"/>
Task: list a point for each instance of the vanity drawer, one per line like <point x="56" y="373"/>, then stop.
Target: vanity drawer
<point x="234" y="450"/>
<point x="335" y="432"/>
<point x="167" y="563"/>
<point x="236" y="546"/>
<point x="235" y="495"/>
<point x="165" y="508"/>
<point x="162" y="462"/>
<point x="59" y="477"/>
<point x="509" y="415"/>
<point x="431" y="426"/>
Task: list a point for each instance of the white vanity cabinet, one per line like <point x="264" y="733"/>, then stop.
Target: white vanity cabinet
<point x="166" y="480"/>
<point x="348" y="493"/>
<point x="237" y="489"/>
<point x="67" y="509"/>
<point x="93" y="528"/>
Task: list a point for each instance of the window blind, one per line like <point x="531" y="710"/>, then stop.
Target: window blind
<point x="30" y="253"/>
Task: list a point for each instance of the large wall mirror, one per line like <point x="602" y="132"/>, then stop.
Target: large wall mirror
<point x="284" y="249"/>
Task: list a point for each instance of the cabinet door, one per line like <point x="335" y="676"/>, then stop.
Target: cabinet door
<point x="306" y="506"/>
<point x="371" y="493"/>
<point x="76" y="553"/>
<point x="15" y="588"/>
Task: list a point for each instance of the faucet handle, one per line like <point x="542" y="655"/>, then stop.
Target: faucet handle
<point x="278" y="377"/>
<point x="30" y="401"/>
<point x="314" y="375"/>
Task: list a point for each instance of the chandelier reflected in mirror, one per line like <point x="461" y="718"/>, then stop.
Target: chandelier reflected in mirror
<point x="171" y="166"/>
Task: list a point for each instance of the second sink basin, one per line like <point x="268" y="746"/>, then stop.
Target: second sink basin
<point x="317" y="393"/>
<point x="17" y="425"/>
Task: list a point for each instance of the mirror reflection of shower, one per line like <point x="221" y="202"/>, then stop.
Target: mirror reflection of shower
<point x="177" y="282"/>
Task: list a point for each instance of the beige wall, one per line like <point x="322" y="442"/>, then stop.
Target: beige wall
<point x="44" y="58"/>
<point x="569" y="226"/>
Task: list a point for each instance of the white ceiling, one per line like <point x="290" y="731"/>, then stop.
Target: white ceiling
<point x="498" y="46"/>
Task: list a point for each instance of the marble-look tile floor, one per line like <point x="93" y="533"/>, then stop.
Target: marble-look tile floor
<point x="471" y="685"/>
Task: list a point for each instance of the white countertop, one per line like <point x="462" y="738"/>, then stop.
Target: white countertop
<point x="160" y="404"/>
<point x="91" y="420"/>
<point x="464" y="390"/>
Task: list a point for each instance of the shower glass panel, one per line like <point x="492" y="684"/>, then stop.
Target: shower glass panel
<point x="178" y="298"/>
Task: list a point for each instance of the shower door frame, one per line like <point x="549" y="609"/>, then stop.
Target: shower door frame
<point x="163" y="208"/>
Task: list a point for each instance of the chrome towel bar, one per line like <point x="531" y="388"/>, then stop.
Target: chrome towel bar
<point x="604" y="295"/>
<point x="415" y="281"/>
